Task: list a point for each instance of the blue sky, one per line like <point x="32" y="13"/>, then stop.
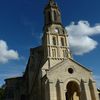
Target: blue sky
<point x="21" y="23"/>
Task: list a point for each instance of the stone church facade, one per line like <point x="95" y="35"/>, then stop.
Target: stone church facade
<point x="51" y="72"/>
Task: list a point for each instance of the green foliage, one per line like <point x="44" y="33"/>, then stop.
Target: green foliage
<point x="1" y="94"/>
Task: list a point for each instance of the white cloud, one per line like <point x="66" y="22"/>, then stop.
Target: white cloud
<point x="6" y="54"/>
<point x="79" y="37"/>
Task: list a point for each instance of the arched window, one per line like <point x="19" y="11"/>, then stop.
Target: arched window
<point x="64" y="53"/>
<point x="54" y="41"/>
<point x="56" y="30"/>
<point x="49" y="16"/>
<point x="55" y="17"/>
<point x="53" y="53"/>
<point x="62" y="41"/>
<point x="63" y="32"/>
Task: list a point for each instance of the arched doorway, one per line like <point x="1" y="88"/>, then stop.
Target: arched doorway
<point x="73" y="91"/>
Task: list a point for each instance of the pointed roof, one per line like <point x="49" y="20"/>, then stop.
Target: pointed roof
<point x="51" y="1"/>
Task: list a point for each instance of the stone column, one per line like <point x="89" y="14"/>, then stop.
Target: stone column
<point x="85" y="92"/>
<point x="47" y="90"/>
<point x="93" y="90"/>
<point x="62" y="90"/>
<point x="58" y="45"/>
<point x="52" y="91"/>
<point x="59" y="90"/>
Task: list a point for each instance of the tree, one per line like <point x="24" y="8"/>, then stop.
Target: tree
<point x="1" y="93"/>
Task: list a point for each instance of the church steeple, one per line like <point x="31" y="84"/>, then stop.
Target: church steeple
<point x="55" y="37"/>
<point x="52" y="13"/>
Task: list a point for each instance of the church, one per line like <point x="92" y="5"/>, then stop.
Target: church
<point x="51" y="72"/>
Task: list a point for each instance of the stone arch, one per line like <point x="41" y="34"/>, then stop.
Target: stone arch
<point x="72" y="91"/>
<point x="49" y="16"/>
<point x="54" y="40"/>
<point x="62" y="41"/>
<point x="55" y="16"/>
<point x="69" y="80"/>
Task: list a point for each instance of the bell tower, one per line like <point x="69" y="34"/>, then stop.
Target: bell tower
<point x="55" y="37"/>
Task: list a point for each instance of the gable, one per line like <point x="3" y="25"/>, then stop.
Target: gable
<point x="69" y="68"/>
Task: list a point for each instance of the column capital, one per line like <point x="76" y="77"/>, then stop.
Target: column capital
<point x="92" y="80"/>
<point x="83" y="80"/>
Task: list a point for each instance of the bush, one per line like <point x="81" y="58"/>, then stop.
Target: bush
<point x="1" y="94"/>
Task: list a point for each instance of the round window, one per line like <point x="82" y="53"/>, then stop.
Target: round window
<point x="56" y="30"/>
<point x="70" y="70"/>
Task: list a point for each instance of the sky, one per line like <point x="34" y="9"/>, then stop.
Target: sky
<point x="21" y="27"/>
